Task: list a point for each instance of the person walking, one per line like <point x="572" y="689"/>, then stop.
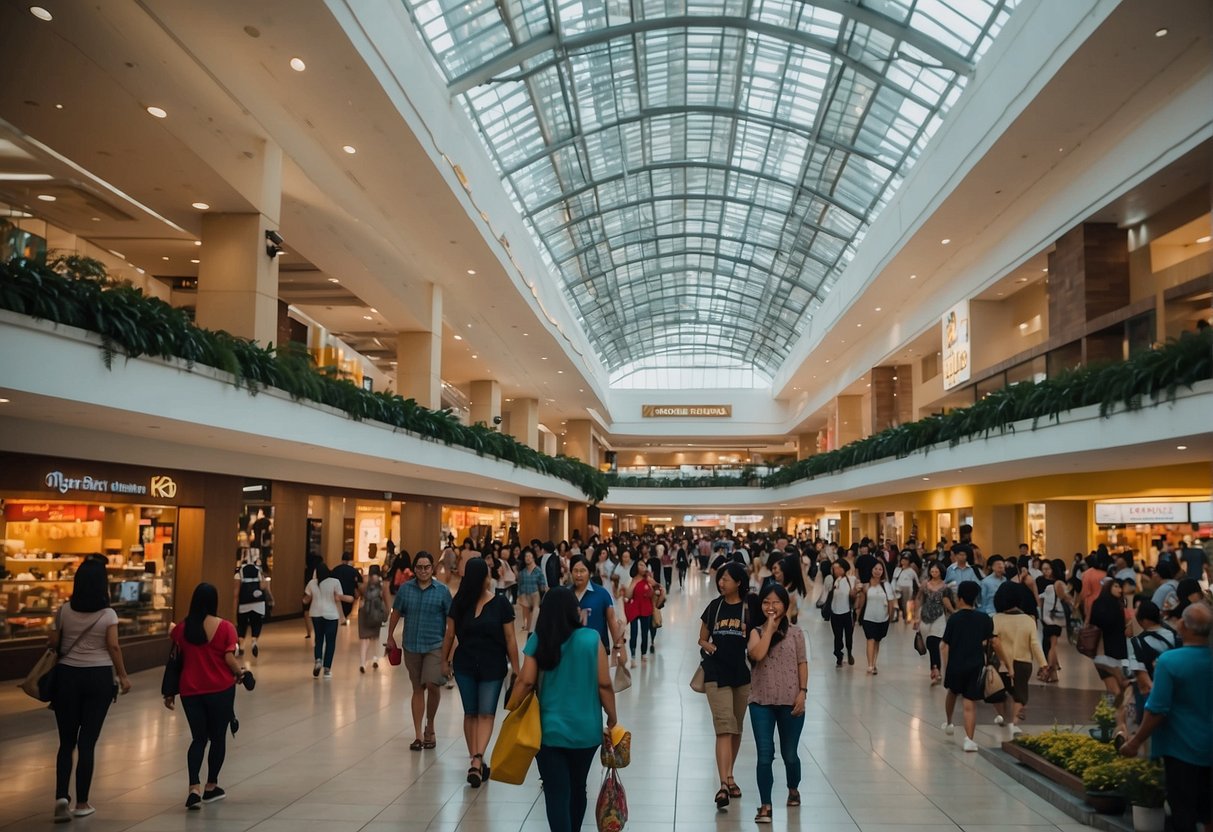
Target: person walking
<point x="479" y="646"/>
<point x="1055" y="604"/>
<point x="777" y="695"/>
<point x="574" y="691"/>
<point x="789" y="574"/>
<point x="209" y="673"/>
<point x="1016" y="633"/>
<point x="597" y="608"/>
<point x="86" y="640"/>
<point x="905" y="584"/>
<point x="1107" y="612"/>
<point x="641" y="595"/>
<point x="251" y="594"/>
<point x="966" y="638"/>
<point x="1177" y="721"/>
<point x="371" y="617"/>
<point x="934" y="606"/>
<point x="423" y="603"/>
<point x="399" y="573"/>
<point x="839" y="600"/>
<point x="531" y="584"/>
<point x="324" y="598"/>
<point x="876" y="606"/>
<point x="351" y="584"/>
<point x="723" y="638"/>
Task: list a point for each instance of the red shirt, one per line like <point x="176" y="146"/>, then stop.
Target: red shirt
<point x="642" y="597"/>
<point x="204" y="668"/>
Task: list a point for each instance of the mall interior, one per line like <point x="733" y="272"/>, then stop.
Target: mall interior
<point x="607" y="268"/>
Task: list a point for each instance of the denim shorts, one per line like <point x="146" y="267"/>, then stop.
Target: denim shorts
<point x="479" y="698"/>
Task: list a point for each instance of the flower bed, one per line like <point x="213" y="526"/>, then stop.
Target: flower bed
<point x="1089" y="768"/>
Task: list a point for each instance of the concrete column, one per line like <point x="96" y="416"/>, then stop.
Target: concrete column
<point x="419" y="354"/>
<point x="420" y="526"/>
<point x="846" y="533"/>
<point x="995" y="530"/>
<point x="547" y="442"/>
<point x="1068" y="528"/>
<point x="579" y="442"/>
<point x="579" y="520"/>
<point x="806" y="445"/>
<point x="847" y="419"/>
<point x="486" y="401"/>
<point x="1088" y="276"/>
<point x="892" y="397"/>
<point x="533" y="521"/>
<point x="524" y="422"/>
<point x="237" y="281"/>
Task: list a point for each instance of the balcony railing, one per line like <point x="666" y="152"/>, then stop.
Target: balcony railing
<point x="690" y="476"/>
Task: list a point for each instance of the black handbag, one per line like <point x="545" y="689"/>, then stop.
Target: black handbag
<point x="920" y="646"/>
<point x="170" y="683"/>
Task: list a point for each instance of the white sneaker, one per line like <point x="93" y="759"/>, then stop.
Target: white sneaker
<point x="1015" y="731"/>
<point x="62" y="813"/>
<point x="998" y="720"/>
<point x="948" y="728"/>
<point x="328" y="674"/>
<point x="969" y="745"/>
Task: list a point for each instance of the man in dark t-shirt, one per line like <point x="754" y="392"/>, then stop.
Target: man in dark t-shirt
<point x="864" y="564"/>
<point x="965" y="639"/>
<point x="350" y="581"/>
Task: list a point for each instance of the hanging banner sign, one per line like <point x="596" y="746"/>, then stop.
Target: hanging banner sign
<point x="957" y="363"/>
<point x="686" y="411"/>
<point x="1131" y="514"/>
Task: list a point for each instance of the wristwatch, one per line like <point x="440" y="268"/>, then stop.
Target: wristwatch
<point x="804" y="690"/>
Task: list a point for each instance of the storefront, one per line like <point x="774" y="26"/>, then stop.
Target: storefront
<point x="1143" y="525"/>
<point x="147" y="524"/>
<point x="480" y="523"/>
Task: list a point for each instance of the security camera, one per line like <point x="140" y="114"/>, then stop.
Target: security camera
<point x="273" y="243"/>
<point x="496" y="420"/>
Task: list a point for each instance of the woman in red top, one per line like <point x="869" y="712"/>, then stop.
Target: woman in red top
<point x="209" y="672"/>
<point x="639" y="609"/>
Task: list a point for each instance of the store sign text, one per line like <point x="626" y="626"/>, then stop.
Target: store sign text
<point x="651" y="411"/>
<point x="956" y="359"/>
<point x="161" y="486"/>
<point x="1130" y="514"/>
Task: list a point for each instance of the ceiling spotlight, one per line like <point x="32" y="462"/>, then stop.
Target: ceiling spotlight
<point x="1204" y="239"/>
<point x="367" y="318"/>
<point x="926" y="479"/>
<point x="334" y="280"/>
<point x="164" y="258"/>
<point x="878" y="308"/>
<point x="543" y="358"/>
<point x="471" y="271"/>
<point x="374" y="311"/>
<point x="197" y="242"/>
<point x="95" y="219"/>
<point x="350" y="149"/>
<point x="201" y="206"/>
<point x="945" y="241"/>
<point x="46" y="197"/>
<point x="158" y="112"/>
<point x="1045" y="270"/>
<point x="1158" y="33"/>
<point x="41" y="13"/>
<point x="1181" y="447"/>
<point x="560" y="372"/>
<point x="458" y="337"/>
<point x="474" y="355"/>
<point x="913" y="277"/>
<point x="195" y="261"/>
<point x="298" y="65"/>
<point x="4" y="401"/>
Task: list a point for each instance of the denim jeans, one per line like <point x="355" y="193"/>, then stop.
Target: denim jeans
<point x="765" y="719"/>
<point x="564" y="772"/>
<point x="643" y="624"/>
<point x="326" y="639"/>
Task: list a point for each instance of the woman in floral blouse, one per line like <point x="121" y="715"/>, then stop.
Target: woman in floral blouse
<point x="779" y="684"/>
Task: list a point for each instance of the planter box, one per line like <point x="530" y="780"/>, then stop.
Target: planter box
<point x="1070" y="782"/>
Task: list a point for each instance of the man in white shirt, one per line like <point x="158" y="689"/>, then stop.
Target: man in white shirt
<point x="839" y="589"/>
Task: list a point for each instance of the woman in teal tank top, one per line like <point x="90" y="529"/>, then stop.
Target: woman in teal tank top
<point x="569" y="665"/>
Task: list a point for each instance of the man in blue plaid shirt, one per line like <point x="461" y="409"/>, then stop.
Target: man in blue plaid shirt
<point x="423" y="604"/>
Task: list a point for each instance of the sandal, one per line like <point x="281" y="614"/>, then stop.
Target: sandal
<point x="764" y="815"/>
<point x="722" y="798"/>
<point x="793" y="797"/>
<point x="416" y="745"/>
<point x="474" y="777"/>
<point x="430" y="741"/>
<point x="734" y="789"/>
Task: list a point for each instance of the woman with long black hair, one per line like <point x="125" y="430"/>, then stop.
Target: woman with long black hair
<point x="777" y="695"/>
<point x="480" y="630"/>
<point x="86" y="638"/>
<point x="789" y="574"/>
<point x="324" y="597"/>
<point x="726" y="676"/>
<point x="575" y="690"/>
<point x="206" y="644"/>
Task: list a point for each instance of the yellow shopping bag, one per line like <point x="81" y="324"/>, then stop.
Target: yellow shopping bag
<point x="518" y="742"/>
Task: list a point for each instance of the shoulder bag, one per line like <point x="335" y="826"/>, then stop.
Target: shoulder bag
<point x="170" y="682"/>
<point x="697" y="681"/>
<point x="40" y="681"/>
<point x="1088" y="641"/>
<point x="518" y="742"/>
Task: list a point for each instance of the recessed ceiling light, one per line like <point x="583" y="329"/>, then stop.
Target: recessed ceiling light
<point x="1181" y="447"/>
<point x="195" y="261"/>
<point x="1022" y="280"/>
<point x="878" y="308"/>
<point x="471" y="271"/>
<point x="158" y="112"/>
<point x="560" y="372"/>
<point x="1204" y="239"/>
<point x="945" y="241"/>
<point x="350" y="149"/>
<point x="197" y="242"/>
<point x="334" y="280"/>
<point x="163" y="258"/>
<point x="913" y="277"/>
<point x="544" y="358"/>
<point x="95" y="219"/>
<point x="858" y="325"/>
<point x="581" y="390"/>
<point x="201" y="206"/>
<point x="367" y="318"/>
<point x="3" y="401"/>
<point x="117" y="254"/>
<point x="25" y="177"/>
<point x="298" y="65"/>
<point x="141" y="271"/>
<point x="458" y="337"/>
<point x="474" y="355"/>
<point x="1158" y="33"/>
<point x="41" y="13"/>
<point x="374" y="311"/>
<point x="46" y="197"/>
<point x="1045" y="270"/>
<point x="525" y="334"/>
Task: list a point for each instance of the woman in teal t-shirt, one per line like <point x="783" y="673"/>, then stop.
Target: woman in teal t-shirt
<point x="576" y="681"/>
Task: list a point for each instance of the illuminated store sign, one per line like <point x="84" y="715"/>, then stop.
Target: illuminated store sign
<point x="159" y="486"/>
<point x="1130" y="514"/>
<point x="957" y="364"/>
<point x="651" y="411"/>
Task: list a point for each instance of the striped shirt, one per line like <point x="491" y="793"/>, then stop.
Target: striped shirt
<point x="531" y="580"/>
<point x="424" y="612"/>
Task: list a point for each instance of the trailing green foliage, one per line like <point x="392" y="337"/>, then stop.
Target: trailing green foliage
<point x="1148" y="377"/>
<point x="133" y="324"/>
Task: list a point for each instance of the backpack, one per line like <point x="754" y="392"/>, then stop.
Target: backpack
<point x="250" y="585"/>
<point x="1151" y="644"/>
<point x="373" y="606"/>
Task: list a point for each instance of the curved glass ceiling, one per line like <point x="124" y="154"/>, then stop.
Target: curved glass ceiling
<point x="699" y="173"/>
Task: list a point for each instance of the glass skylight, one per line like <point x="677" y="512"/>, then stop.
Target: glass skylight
<point x="697" y="172"/>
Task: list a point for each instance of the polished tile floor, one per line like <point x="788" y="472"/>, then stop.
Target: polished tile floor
<point x="333" y="756"/>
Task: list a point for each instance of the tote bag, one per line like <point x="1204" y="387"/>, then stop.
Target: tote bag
<point x="40" y="681"/>
<point x="611" y="810"/>
<point x="518" y="742"/>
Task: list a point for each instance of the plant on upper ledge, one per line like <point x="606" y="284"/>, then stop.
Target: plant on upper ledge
<point x="132" y="324"/>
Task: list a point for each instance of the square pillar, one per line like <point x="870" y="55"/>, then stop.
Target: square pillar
<point x="237" y="280"/>
<point x="524" y="422"/>
<point x="421" y="526"/>
<point x="847" y="420"/>
<point x="579" y="441"/>
<point x="485" y="399"/>
<point x="419" y="354"/>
